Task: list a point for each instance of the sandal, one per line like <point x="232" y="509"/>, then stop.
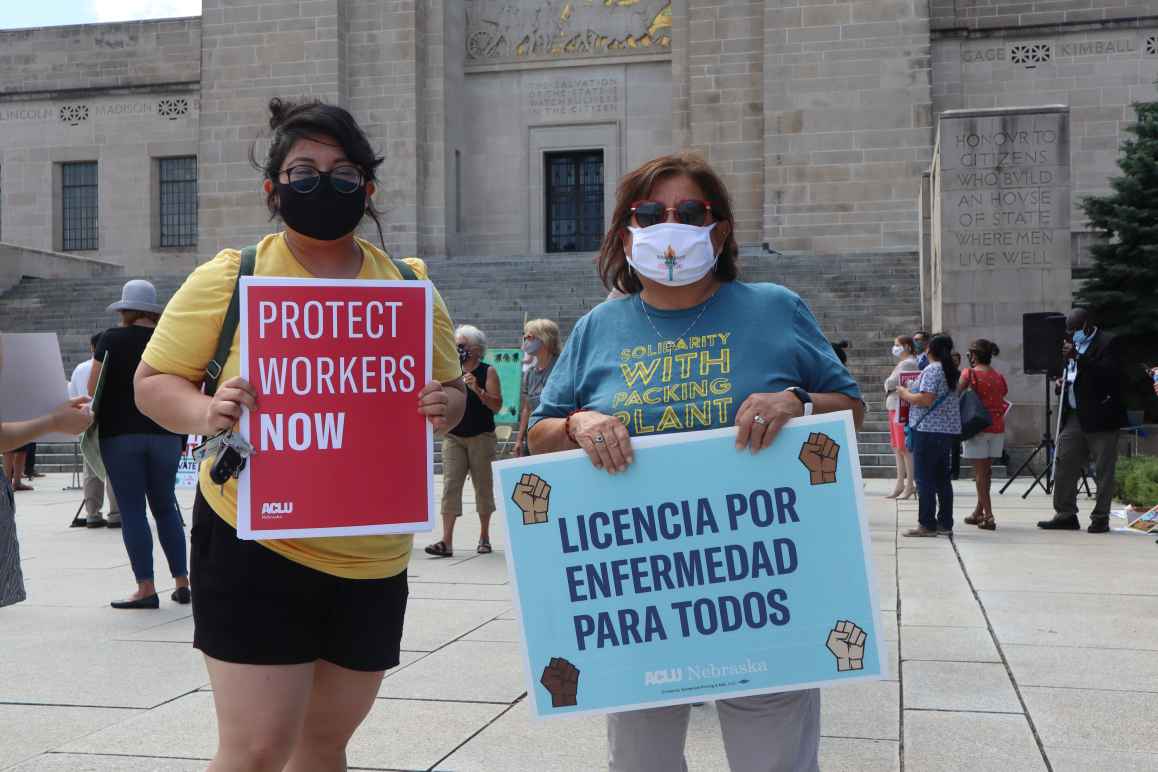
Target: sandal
<point x="988" y="524"/>
<point x="439" y="550"/>
<point x="974" y="520"/>
<point x="484" y="548"/>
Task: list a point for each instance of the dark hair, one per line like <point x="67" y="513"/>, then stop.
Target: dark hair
<point x="290" y="121"/>
<point x="636" y="185"/>
<point x="941" y="347"/>
<point x="131" y="316"/>
<point x="984" y="350"/>
<point x="838" y="349"/>
<point x="95" y="339"/>
<point x="921" y="334"/>
<point x="907" y="344"/>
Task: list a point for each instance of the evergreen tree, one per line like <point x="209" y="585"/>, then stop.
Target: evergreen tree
<point x="1122" y="286"/>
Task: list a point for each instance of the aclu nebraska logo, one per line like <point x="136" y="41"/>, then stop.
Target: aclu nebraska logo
<point x="272" y="510"/>
<point x="703" y="672"/>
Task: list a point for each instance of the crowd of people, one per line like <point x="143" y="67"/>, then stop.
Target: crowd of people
<point x="294" y="666"/>
<point x="930" y="436"/>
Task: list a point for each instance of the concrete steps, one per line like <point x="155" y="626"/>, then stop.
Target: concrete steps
<point x="865" y="299"/>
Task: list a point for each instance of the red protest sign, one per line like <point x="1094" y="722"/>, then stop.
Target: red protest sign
<point x="908" y="379"/>
<point x="339" y="446"/>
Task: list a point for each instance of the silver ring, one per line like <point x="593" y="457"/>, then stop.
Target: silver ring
<point x="760" y="420"/>
<point x="599" y="439"/>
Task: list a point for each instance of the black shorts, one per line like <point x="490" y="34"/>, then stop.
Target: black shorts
<point x="254" y="607"/>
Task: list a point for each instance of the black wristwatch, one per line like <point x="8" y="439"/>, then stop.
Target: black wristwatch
<point x="803" y="396"/>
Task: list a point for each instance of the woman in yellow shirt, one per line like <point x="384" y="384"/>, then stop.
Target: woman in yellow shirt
<point x="296" y="633"/>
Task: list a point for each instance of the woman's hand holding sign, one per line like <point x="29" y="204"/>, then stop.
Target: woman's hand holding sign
<point x="762" y="416"/>
<point x="605" y="438"/>
<point x="442" y="404"/>
<point x="224" y="410"/>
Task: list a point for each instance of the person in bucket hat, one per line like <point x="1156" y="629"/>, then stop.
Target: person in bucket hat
<point x="140" y="457"/>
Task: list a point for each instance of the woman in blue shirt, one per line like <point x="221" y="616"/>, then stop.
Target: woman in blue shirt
<point x="689" y="347"/>
<point x="935" y="421"/>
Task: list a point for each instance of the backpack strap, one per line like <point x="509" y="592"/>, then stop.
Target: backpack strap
<point x="404" y="269"/>
<point x="229" y="325"/>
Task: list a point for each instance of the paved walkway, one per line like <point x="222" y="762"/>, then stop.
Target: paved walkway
<point x="1022" y="651"/>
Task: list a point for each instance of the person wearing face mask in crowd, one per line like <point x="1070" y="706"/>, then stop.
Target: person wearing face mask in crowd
<point x="934" y="423"/>
<point x="990" y="387"/>
<point x="541" y="346"/>
<point x="921" y="347"/>
<point x="762" y="361"/>
<point x="471" y="447"/>
<point x="1092" y="412"/>
<point x="296" y="633"/>
<point x="904" y="351"/>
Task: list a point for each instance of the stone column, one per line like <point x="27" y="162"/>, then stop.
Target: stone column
<point x="1001" y="230"/>
<point x="250" y="53"/>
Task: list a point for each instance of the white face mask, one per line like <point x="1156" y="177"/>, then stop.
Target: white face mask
<point x="672" y="253"/>
<point x="897" y="350"/>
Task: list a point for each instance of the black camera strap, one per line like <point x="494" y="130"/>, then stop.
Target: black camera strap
<point x="233" y="313"/>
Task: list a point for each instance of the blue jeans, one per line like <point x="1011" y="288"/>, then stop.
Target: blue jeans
<point x="140" y="467"/>
<point x="932" y="458"/>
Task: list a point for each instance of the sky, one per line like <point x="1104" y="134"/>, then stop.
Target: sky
<point x="46" y="13"/>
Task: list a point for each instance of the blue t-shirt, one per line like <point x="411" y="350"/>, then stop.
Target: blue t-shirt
<point x="661" y="371"/>
<point x="947" y="417"/>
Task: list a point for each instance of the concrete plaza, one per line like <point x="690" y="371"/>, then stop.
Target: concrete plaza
<point x="1018" y="650"/>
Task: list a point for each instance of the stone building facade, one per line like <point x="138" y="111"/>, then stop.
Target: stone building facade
<point x="505" y="124"/>
<point x="820" y="114"/>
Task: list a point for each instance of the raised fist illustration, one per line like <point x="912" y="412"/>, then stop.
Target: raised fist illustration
<point x="818" y="454"/>
<point x="561" y="680"/>
<point x="846" y="642"/>
<point x="532" y="495"/>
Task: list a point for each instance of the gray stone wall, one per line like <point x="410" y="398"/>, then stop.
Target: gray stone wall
<point x="1098" y="73"/>
<point x="96" y="56"/>
<point x="514" y="116"/>
<point x="848" y="124"/>
<point x="251" y="53"/>
<point x="124" y="134"/>
<point x="992" y="14"/>
<point x="719" y="108"/>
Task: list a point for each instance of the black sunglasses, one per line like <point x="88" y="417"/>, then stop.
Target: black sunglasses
<point x="690" y="211"/>
<point x="343" y="179"/>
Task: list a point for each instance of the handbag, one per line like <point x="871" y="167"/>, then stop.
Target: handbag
<point x="910" y="428"/>
<point x="975" y="417"/>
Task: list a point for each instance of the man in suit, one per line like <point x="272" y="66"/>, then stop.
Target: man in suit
<point x="921" y="344"/>
<point x="1092" y="412"/>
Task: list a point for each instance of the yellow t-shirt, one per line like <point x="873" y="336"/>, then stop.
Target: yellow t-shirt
<point x="185" y="340"/>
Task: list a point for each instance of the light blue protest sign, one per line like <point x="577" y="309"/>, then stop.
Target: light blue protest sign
<point x="700" y="573"/>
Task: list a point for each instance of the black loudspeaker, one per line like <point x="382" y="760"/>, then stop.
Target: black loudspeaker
<point x="1042" y="335"/>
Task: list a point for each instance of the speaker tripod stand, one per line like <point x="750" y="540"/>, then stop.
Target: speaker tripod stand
<point x="1045" y="477"/>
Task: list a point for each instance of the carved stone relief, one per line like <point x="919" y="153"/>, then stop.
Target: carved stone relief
<point x="513" y="30"/>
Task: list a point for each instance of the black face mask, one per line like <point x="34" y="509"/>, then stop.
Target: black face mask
<point x="463" y="354"/>
<point x="323" y="213"/>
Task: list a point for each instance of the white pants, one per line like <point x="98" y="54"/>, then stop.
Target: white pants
<point x="766" y="733"/>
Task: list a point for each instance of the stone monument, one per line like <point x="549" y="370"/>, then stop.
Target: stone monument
<point x="1001" y="237"/>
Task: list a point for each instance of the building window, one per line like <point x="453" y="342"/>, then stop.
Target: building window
<point x="574" y="201"/>
<point x="78" y="205"/>
<point x="177" y="184"/>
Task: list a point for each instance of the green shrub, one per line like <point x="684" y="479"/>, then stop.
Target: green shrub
<point x="1137" y="480"/>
